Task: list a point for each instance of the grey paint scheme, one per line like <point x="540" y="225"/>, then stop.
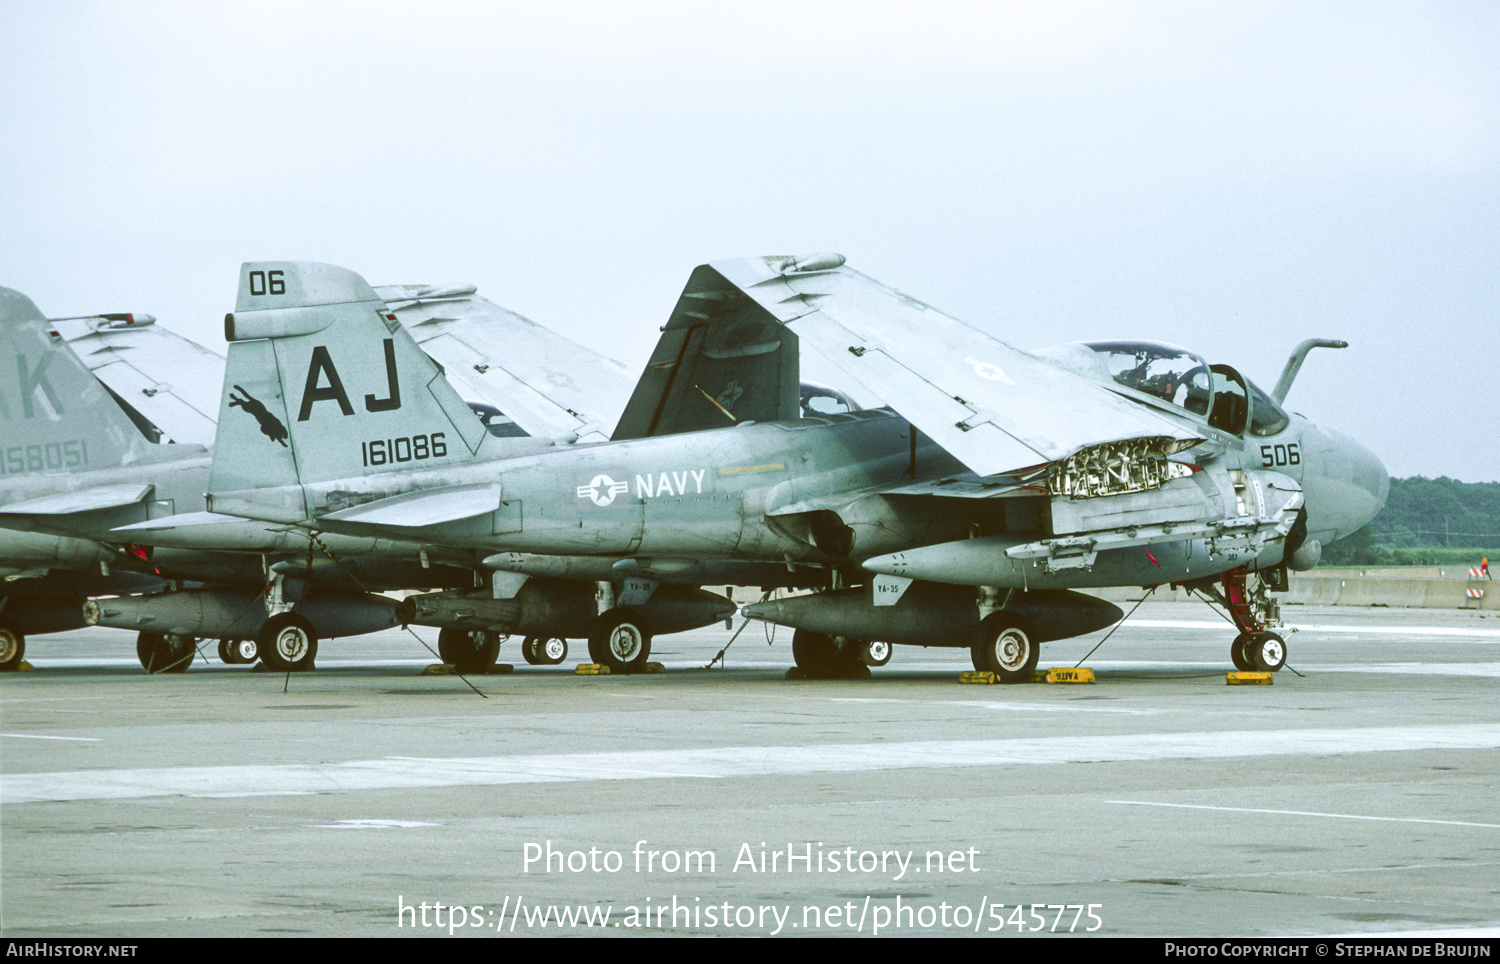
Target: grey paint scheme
<point x="762" y="492"/>
<point x="541" y="380"/>
<point x="171" y="381"/>
<point x="63" y="516"/>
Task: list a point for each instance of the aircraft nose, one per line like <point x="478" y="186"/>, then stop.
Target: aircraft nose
<point x="1365" y="487"/>
<point x="1346" y="486"/>
<point x="1370" y="475"/>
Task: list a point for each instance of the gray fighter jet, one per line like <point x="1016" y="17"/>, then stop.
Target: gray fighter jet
<point x="83" y="453"/>
<point x="965" y="514"/>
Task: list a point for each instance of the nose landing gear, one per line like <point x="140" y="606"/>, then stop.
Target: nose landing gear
<point x="1256" y="648"/>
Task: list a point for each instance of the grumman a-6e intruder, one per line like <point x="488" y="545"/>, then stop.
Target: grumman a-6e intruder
<point x="86" y="467"/>
<point x="965" y="514"/>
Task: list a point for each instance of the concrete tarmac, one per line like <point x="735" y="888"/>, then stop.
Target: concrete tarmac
<point x="1355" y="796"/>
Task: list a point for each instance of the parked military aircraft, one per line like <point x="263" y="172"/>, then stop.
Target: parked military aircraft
<point x="80" y="458"/>
<point x="1017" y="480"/>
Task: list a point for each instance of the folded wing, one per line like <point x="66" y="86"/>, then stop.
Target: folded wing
<point x="997" y="409"/>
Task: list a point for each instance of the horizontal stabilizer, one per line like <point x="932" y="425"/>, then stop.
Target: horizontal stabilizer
<point x="429" y="508"/>
<point x="182" y="520"/>
<point x="84" y="500"/>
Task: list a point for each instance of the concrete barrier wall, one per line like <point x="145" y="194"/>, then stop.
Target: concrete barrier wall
<point x="1413" y="592"/>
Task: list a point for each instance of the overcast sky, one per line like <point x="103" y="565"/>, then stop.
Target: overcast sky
<point x="1230" y="177"/>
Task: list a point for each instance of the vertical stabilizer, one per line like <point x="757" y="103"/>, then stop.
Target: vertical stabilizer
<point x="56" y="417"/>
<point x="322" y="382"/>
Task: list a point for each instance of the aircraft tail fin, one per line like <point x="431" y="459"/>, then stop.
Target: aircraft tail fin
<point x="721" y="359"/>
<point x="322" y="382"/>
<point x="57" y="417"/>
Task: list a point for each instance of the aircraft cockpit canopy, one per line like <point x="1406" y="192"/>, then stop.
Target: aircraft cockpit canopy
<point x="1217" y="393"/>
<point x="1165" y="371"/>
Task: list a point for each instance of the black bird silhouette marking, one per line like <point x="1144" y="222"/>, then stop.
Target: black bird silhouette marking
<point x="270" y="425"/>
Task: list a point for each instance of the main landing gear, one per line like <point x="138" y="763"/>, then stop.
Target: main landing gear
<point x="471" y="653"/>
<point x="820" y="656"/>
<point x="544" y="650"/>
<point x="287" y="643"/>
<point x="238" y="652"/>
<point x="620" y="640"/>
<point x="160" y="653"/>
<point x="1005" y="644"/>
<point x="12" y="649"/>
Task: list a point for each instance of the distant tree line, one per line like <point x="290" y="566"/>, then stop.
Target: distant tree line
<point x="1427" y="522"/>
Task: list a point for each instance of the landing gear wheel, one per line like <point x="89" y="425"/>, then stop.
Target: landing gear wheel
<point x="550" y="650"/>
<point x="544" y="650"/>
<point x="1267" y="652"/>
<point x="1006" y="646"/>
<point x="619" y="640"/>
<point x="287" y="643"/>
<point x="237" y="652"/>
<point x="820" y="657"/>
<point x="1238" y="654"/>
<point x="12" y="649"/>
<point x="873" y="652"/>
<point x="164" y="654"/>
<point x="469" y="652"/>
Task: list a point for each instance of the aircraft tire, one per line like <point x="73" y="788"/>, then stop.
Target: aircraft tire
<point x="1239" y="655"/>
<point x="469" y="652"/>
<point x="1006" y="646"/>
<point x="164" y="654"/>
<point x="1267" y="652"/>
<point x="620" y="640"/>
<point x="551" y="650"/>
<point x="237" y="652"/>
<point x="873" y="652"/>
<point x="530" y="650"/>
<point x="287" y="643"/>
<point x="819" y="656"/>
<point x="12" y="649"/>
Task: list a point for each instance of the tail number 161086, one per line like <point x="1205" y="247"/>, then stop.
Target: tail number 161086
<point x="413" y="448"/>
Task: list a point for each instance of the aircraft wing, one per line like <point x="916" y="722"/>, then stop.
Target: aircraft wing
<point x="172" y="382"/>
<point x="995" y="408"/>
<point x="550" y="386"/>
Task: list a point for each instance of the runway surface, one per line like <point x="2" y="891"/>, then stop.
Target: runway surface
<point x="1357" y="795"/>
